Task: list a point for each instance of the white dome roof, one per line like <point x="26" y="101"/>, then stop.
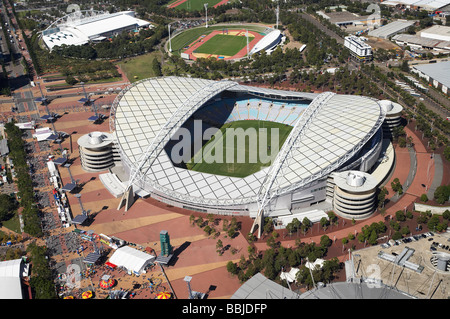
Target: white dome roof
<point x="387" y="105"/>
<point x="355" y="179"/>
<point x="96" y="138"/>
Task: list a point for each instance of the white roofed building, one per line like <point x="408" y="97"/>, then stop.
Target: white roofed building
<point x="11" y="274"/>
<point x="331" y="132"/>
<point x="82" y="27"/>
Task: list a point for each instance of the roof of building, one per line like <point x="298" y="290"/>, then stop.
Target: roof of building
<point x="343" y="16"/>
<point x="349" y="290"/>
<point x="10" y="279"/>
<point x="95" y="140"/>
<point x="259" y="287"/>
<point x="267" y="42"/>
<point x="355" y="181"/>
<point x="438" y="71"/>
<point x="391" y="28"/>
<point x="425" y="4"/>
<point x="130" y="258"/>
<point x="76" y="29"/>
<point x="436" y="32"/>
<point x="413" y="39"/>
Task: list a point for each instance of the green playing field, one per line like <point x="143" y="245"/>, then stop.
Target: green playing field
<point x="222" y="44"/>
<point x="191" y="5"/>
<point x="246" y="157"/>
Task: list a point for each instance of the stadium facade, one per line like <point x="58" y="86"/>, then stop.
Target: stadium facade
<point x="85" y="26"/>
<point x="331" y="133"/>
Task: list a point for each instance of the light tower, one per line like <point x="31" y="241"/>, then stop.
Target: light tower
<point x="277" y="11"/>
<point x="206" y="10"/>
<point x="247" y="40"/>
<point x="170" y="40"/>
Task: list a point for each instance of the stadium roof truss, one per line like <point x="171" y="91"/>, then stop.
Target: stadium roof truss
<point x="188" y="108"/>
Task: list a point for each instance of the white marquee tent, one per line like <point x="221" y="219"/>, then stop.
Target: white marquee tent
<point x="11" y="273"/>
<point x="132" y="259"/>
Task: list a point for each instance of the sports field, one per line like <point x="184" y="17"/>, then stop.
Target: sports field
<point x="244" y="150"/>
<point x="184" y="39"/>
<point x="223" y="44"/>
<point x="191" y="5"/>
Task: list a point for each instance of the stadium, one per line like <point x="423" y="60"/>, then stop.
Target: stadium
<point x="328" y="133"/>
<point x="224" y="41"/>
<point x="85" y="26"/>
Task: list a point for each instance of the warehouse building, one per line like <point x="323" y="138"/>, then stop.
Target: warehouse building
<point x="437" y="74"/>
<point x="391" y="29"/>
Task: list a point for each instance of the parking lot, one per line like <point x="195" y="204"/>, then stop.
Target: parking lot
<point x="430" y="283"/>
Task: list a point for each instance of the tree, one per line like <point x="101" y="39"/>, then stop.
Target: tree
<point x="400" y="216"/>
<point x="219" y="246"/>
<point x="71" y="80"/>
<point x="325" y="241"/>
<point x="324" y="222"/>
<point x="156" y="67"/>
<point x="7" y="206"/>
<point x="442" y="194"/>
<point x="232" y="268"/>
<point x="424" y="198"/>
<point x="373" y="237"/>
<point x="397" y="186"/>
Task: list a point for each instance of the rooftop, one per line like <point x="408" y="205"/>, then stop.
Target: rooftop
<point x="332" y="133"/>
<point x="391" y="28"/>
<point x="438" y="71"/>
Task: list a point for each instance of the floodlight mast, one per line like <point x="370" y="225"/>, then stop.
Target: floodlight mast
<point x="206" y="9"/>
<point x="170" y="40"/>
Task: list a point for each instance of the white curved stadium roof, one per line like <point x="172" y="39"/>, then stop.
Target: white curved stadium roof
<point x="332" y="130"/>
<point x="267" y="42"/>
<point x="79" y="29"/>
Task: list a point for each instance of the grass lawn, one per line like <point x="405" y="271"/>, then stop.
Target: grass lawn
<point x="13" y="223"/>
<point x="191" y="5"/>
<point x="210" y="162"/>
<point x="140" y="67"/>
<point x="222" y="44"/>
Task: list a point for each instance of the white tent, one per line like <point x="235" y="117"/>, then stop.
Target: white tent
<point x="132" y="259"/>
<point x="289" y="276"/>
<point x="318" y="262"/>
<point x="11" y="273"/>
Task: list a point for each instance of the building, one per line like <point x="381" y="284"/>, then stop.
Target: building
<point x="354" y="194"/>
<point x="428" y="5"/>
<point x="259" y="287"/>
<point x="269" y="42"/>
<point x="359" y="49"/>
<point x="418" y="43"/>
<point x="391" y="29"/>
<point x="97" y="151"/>
<point x="346" y="18"/>
<point x="437" y="74"/>
<point x="12" y="274"/>
<point x="82" y="27"/>
<point x="330" y="133"/>
<point x="135" y="261"/>
<point x="436" y="32"/>
<point x="393" y="116"/>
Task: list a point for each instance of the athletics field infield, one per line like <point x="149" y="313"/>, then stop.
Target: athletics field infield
<point x="227" y="44"/>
